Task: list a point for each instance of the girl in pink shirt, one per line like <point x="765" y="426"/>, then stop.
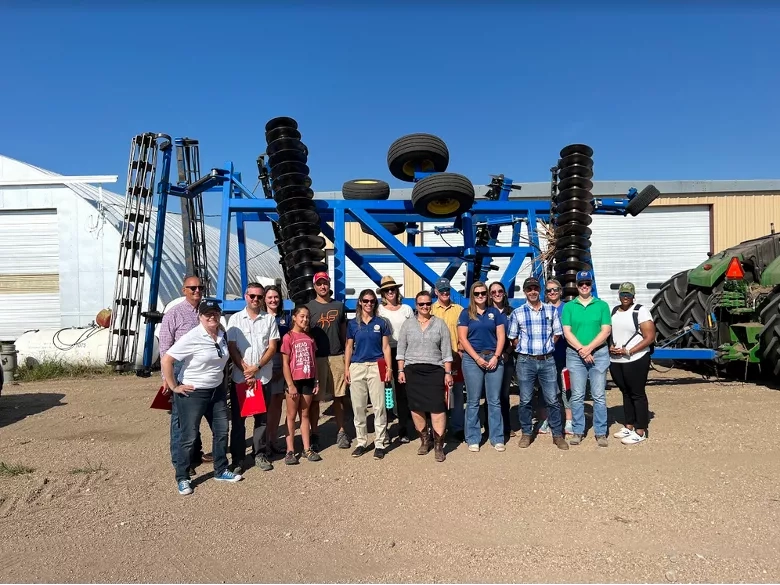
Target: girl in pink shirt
<point x="299" y="365"/>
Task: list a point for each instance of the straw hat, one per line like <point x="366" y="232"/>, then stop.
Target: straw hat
<point x="386" y="283"/>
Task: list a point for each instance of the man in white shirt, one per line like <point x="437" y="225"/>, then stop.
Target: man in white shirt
<point x="253" y="338"/>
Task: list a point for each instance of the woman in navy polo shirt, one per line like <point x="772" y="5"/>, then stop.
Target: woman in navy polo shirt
<point x="482" y="333"/>
<point x="368" y="341"/>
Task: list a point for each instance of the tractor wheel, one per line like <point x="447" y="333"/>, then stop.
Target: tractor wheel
<point x="365" y="189"/>
<point x="770" y="335"/>
<point x="443" y="195"/>
<point x="424" y="152"/>
<point x="668" y="304"/>
<point x="694" y="311"/>
<point x="644" y="198"/>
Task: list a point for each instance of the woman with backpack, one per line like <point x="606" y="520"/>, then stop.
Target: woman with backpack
<point x="633" y="333"/>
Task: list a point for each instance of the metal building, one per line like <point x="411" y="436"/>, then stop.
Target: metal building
<point x="688" y="221"/>
<point x="59" y="246"/>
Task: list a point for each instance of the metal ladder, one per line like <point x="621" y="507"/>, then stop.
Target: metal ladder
<point x="131" y="268"/>
<point x="192" y="217"/>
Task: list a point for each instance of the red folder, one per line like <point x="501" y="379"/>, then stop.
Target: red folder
<point x="565" y="379"/>
<point x="162" y="401"/>
<point x="250" y="396"/>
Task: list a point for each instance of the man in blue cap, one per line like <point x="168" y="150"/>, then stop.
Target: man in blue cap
<point x="587" y="324"/>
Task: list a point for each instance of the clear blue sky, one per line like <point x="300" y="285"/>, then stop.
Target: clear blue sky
<point x="682" y="91"/>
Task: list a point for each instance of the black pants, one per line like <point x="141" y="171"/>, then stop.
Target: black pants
<point x="404" y="415"/>
<point x="631" y="378"/>
<point x="238" y="427"/>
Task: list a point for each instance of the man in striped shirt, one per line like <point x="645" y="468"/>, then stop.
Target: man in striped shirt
<point x="533" y="330"/>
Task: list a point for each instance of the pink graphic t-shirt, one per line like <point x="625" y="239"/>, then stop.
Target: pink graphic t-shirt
<point x="301" y="349"/>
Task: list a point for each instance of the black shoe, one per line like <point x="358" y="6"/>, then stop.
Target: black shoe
<point x="379" y="453"/>
<point x="359" y="451"/>
<point x="315" y="443"/>
<point x="403" y="439"/>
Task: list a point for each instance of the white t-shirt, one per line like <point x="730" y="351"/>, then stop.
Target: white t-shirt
<point x="623" y="330"/>
<point x="252" y="337"/>
<point x="203" y="364"/>
<point x="395" y="319"/>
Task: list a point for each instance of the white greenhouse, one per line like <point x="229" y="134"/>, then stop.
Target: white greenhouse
<point x="59" y="248"/>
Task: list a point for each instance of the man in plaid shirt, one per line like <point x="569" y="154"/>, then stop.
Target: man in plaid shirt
<point x="533" y="330"/>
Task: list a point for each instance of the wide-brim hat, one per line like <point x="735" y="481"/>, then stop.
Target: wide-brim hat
<point x="386" y="283"/>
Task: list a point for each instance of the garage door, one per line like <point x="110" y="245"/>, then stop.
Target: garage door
<point x="29" y="271"/>
<point x="356" y="280"/>
<point x="649" y="248"/>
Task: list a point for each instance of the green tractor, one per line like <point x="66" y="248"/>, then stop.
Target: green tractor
<point x="730" y="303"/>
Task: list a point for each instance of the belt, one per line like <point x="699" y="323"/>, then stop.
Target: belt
<point x="536" y="357"/>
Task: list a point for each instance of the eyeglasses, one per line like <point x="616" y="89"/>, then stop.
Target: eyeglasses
<point x="254" y="297"/>
<point x="480" y="293"/>
<point x="423" y="304"/>
<point x="219" y="350"/>
<point x="443" y="292"/>
<point x="195" y="288"/>
<point x="584" y="284"/>
<point x="555" y="289"/>
<point x="368" y="301"/>
<point x="497" y="293"/>
<point x="212" y="316"/>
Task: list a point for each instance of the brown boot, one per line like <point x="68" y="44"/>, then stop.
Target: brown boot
<point x="438" y="447"/>
<point x="525" y="441"/>
<point x="425" y="442"/>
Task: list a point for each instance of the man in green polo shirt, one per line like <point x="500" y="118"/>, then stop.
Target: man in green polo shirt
<point x="587" y="324"/>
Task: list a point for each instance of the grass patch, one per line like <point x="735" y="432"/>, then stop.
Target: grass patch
<point x="10" y="470"/>
<point x="89" y="468"/>
<point x="53" y="369"/>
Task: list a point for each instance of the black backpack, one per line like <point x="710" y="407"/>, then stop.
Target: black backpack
<point x="635" y="314"/>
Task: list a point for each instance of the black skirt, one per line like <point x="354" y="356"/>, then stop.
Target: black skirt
<point x="425" y="388"/>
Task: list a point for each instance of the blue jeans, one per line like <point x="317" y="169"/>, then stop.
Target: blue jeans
<point x="530" y="370"/>
<point x="197" y="446"/>
<point x="476" y="378"/>
<point x="208" y="402"/>
<point x="580" y="373"/>
<point x="458" y="417"/>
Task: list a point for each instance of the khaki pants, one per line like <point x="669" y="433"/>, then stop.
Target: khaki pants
<point x="365" y="382"/>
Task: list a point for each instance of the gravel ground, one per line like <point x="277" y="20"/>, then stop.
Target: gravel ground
<point x="698" y="502"/>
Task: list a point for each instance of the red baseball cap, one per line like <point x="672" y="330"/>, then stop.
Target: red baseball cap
<point x="321" y="276"/>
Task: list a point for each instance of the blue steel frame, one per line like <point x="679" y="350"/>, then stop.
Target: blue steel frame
<point x="238" y="200"/>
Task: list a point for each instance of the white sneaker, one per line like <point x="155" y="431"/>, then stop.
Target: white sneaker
<point x="623" y="433"/>
<point x="474" y="448"/>
<point x="633" y="439"/>
<point x="499" y="447"/>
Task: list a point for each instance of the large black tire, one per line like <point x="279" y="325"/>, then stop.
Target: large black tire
<point x="426" y="151"/>
<point x="770" y="335"/>
<point x="668" y="304"/>
<point x="443" y="195"/>
<point x="694" y="311"/>
<point x="644" y="198"/>
<point x="365" y="189"/>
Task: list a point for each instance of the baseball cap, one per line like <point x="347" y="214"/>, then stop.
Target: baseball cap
<point x="627" y="288"/>
<point x="321" y="276"/>
<point x="584" y="275"/>
<point x="531" y="281"/>
<point x="209" y="306"/>
<point x="442" y="284"/>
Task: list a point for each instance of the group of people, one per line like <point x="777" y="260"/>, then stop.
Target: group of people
<point x="422" y="357"/>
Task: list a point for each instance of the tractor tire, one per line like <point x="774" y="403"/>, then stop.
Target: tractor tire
<point x="443" y="195"/>
<point x="644" y="198"/>
<point x="425" y="152"/>
<point x="694" y="311"/>
<point x="668" y="304"/>
<point x="394" y="228"/>
<point x="366" y="190"/>
<point x="770" y="335"/>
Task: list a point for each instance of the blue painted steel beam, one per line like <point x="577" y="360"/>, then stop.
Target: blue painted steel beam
<point x="690" y="354"/>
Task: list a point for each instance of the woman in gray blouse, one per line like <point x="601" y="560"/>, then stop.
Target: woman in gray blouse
<point x="425" y="366"/>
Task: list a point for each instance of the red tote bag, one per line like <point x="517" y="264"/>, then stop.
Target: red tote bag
<point x="162" y="401"/>
<point x="251" y="400"/>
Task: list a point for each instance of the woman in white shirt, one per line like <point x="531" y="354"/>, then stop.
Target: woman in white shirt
<point x="395" y="313"/>
<point x="633" y="331"/>
<point x="199" y="391"/>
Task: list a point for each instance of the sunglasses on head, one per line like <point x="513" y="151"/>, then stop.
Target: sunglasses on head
<point x="195" y="288"/>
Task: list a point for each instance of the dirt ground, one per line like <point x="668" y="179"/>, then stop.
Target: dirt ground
<point x="699" y="501"/>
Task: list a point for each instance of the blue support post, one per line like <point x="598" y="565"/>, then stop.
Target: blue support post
<point x="241" y="237"/>
<point x="339" y="255"/>
<point x="163" y="187"/>
<point x="224" y="237"/>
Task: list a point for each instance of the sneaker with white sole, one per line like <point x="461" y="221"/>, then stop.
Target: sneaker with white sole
<point x="228" y="475"/>
<point x="184" y="487"/>
<point x="474" y="448"/>
<point x="623" y="433"/>
<point x="633" y="438"/>
<point x="569" y="428"/>
<point x="499" y="447"/>
<point x="544" y="429"/>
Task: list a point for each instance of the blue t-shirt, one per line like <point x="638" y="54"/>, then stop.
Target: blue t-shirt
<point x="560" y="348"/>
<point x="367" y="338"/>
<point x="482" y="330"/>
